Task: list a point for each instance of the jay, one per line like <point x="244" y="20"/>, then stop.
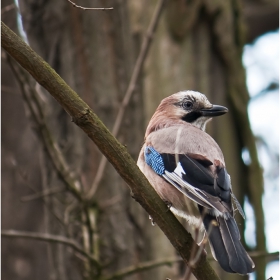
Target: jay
<point x="186" y="168"/>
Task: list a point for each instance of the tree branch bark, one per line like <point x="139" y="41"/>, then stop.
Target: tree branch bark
<point x="115" y="152"/>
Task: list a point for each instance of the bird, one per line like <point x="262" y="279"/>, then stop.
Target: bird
<point x="186" y="167"/>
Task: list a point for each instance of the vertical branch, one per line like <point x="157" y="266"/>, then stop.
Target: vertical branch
<point x="93" y="215"/>
<point x="90" y="237"/>
<point x="46" y="217"/>
<point x="86" y="242"/>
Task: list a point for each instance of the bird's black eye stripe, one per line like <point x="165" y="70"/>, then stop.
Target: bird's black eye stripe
<point x="192" y="116"/>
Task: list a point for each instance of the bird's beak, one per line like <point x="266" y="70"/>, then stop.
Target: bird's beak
<point x="214" y="111"/>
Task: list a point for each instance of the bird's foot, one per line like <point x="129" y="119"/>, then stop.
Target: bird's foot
<point x="168" y="204"/>
<point x="203" y="242"/>
<point x="152" y="220"/>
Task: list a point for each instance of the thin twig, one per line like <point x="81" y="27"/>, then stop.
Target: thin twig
<point x="93" y="215"/>
<point x="8" y="8"/>
<point x="50" y="238"/>
<point x="264" y="254"/>
<point x="30" y="97"/>
<point x="71" y="207"/>
<point x="42" y="194"/>
<point x="84" y="8"/>
<point x="25" y="180"/>
<point x="7" y="89"/>
<point x="130" y="89"/>
<point x="141" y="267"/>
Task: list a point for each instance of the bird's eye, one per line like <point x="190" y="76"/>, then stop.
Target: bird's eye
<point x="187" y="105"/>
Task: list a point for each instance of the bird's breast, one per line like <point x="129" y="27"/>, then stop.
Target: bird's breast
<point x="184" y="139"/>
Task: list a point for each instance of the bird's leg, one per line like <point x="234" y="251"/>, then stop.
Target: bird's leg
<point x="152" y="220"/>
<point x="133" y="196"/>
<point x="168" y="204"/>
<point x="203" y="242"/>
<point x="203" y="239"/>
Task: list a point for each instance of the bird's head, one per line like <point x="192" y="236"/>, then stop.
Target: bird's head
<point x="189" y="106"/>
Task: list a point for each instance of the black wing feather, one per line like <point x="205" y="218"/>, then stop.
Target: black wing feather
<point x="197" y="173"/>
<point x="239" y="260"/>
<point x="212" y="190"/>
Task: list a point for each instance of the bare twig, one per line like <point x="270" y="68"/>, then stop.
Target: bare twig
<point x="42" y="194"/>
<point x="7" y="89"/>
<point x="110" y="202"/>
<point x="90" y="234"/>
<point x="23" y="176"/>
<point x="30" y="97"/>
<point x="74" y="205"/>
<point x="264" y="254"/>
<point x="87" y="238"/>
<point x="130" y="89"/>
<point x="93" y="215"/>
<point x="84" y="8"/>
<point x="142" y="267"/>
<point x="8" y="8"/>
<point x="50" y="238"/>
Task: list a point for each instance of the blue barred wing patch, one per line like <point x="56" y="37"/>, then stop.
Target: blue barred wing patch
<point x="154" y="160"/>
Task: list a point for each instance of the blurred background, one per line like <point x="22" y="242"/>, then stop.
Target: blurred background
<point x="228" y="50"/>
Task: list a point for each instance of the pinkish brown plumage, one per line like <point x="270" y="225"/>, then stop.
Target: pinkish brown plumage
<point x="186" y="167"/>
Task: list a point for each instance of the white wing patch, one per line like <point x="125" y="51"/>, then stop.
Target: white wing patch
<point x="179" y="169"/>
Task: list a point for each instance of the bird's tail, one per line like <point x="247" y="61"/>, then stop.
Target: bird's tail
<point x="224" y="238"/>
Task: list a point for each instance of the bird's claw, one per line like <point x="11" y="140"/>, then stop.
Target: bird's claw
<point x="152" y="220"/>
<point x="168" y="204"/>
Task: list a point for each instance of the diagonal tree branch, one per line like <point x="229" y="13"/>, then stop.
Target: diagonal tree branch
<point x="130" y="89"/>
<point x="42" y="194"/>
<point x="115" y="152"/>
